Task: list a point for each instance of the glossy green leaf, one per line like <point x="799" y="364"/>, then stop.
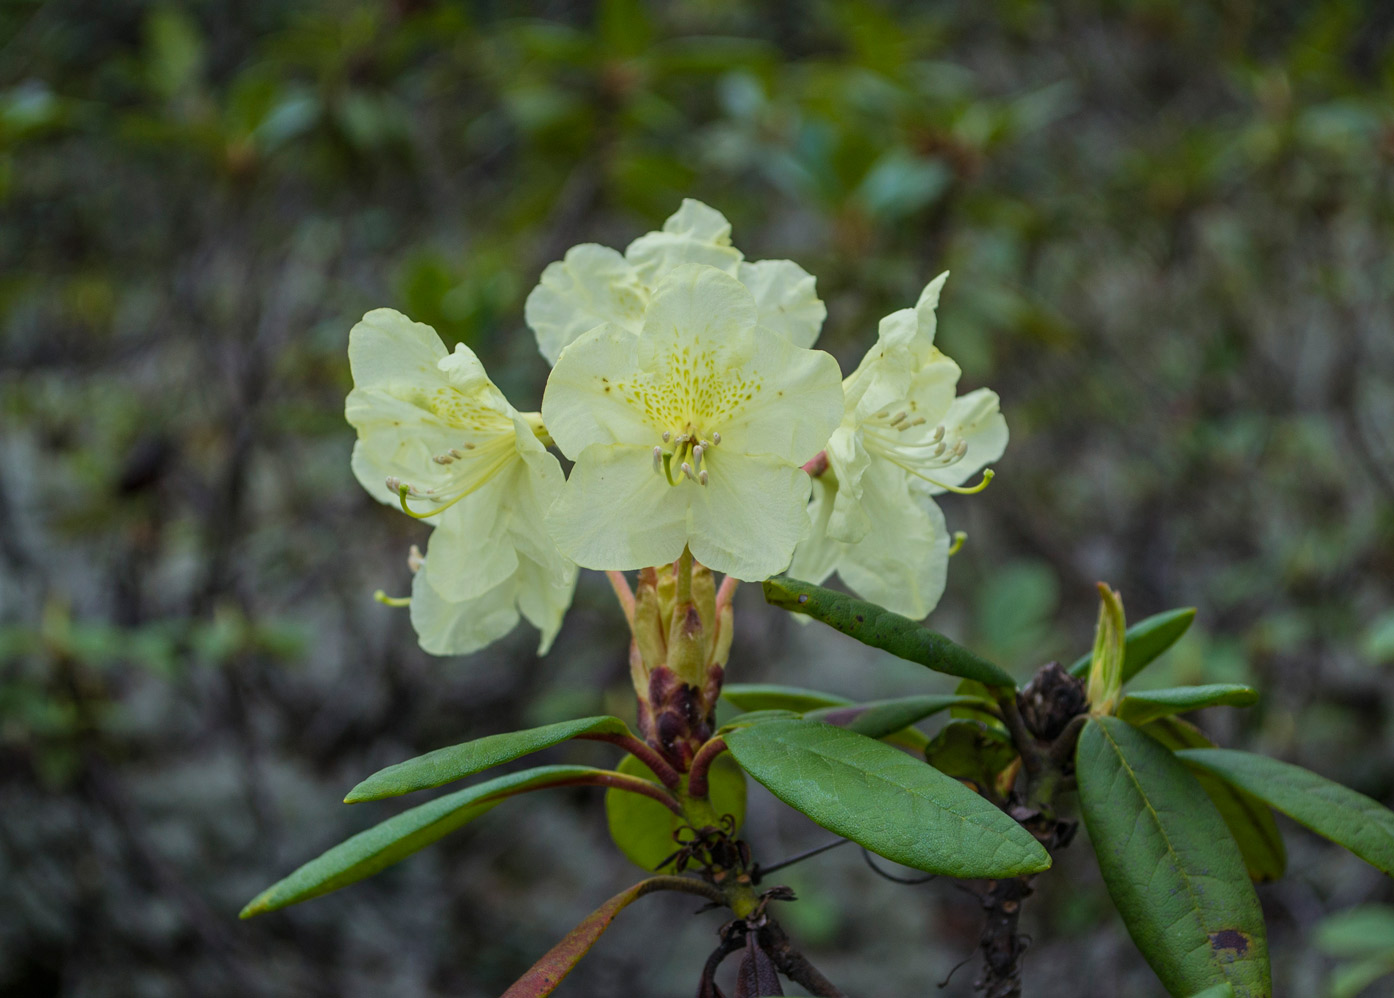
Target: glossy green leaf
<point x="1174" y="874"/>
<point x="763" y="696"/>
<point x="543" y="976"/>
<point x="1345" y="816"/>
<point x="1145" y="641"/>
<point x="1139" y="708"/>
<point x="446" y="765"/>
<point x="644" y="829"/>
<point x="880" y="628"/>
<point x="888" y="801"/>
<point x="400" y="836"/>
<point x="1249" y="819"/>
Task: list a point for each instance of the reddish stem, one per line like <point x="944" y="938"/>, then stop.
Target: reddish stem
<point x="624" y="594"/>
<point x="726" y="591"/>
<point x="701" y="763"/>
<point x="643" y="752"/>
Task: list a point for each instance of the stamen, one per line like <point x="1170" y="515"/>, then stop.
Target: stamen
<point x="667" y="435"/>
<point x="939" y="432"/>
<point x="716" y="438"/>
<point x="702" y="477"/>
<point x="697" y="456"/>
<point x="910" y="424"/>
<point x="898" y="417"/>
<point x="658" y="458"/>
<point x="687" y="471"/>
<point x="415" y="559"/>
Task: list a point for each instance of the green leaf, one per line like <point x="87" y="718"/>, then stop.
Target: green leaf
<point x="448" y="764"/>
<point x="758" y="717"/>
<point x="1218" y="991"/>
<point x="763" y="696"/>
<point x="1346" y="817"/>
<point x="880" y="628"/>
<point x="886" y="800"/>
<point x="543" y="976"/>
<point x="1364" y="931"/>
<point x="644" y="829"/>
<point x="1352" y="979"/>
<point x="970" y="750"/>
<point x="1145" y="641"/>
<point x="1176" y="878"/>
<point x="1249" y="819"/>
<point x="879" y="718"/>
<point x="398" y="837"/>
<point x="1139" y="708"/>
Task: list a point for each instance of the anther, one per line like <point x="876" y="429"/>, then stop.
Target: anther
<point x="939" y="432"/>
<point x="716" y="438"/>
<point x="687" y="471"/>
<point x="939" y="448"/>
<point x="702" y="476"/>
<point x="697" y="456"/>
<point x="961" y="448"/>
<point x="667" y="436"/>
<point x="898" y="417"/>
<point x="657" y="458"/>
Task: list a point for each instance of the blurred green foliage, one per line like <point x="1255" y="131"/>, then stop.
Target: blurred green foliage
<point x="1169" y="229"/>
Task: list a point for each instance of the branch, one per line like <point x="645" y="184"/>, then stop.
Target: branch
<point x="793" y="964"/>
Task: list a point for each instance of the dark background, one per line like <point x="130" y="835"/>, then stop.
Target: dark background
<point x="1169" y="226"/>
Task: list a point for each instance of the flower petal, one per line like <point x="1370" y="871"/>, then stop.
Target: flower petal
<point x="902" y="562"/>
<point x="544" y="595"/>
<point x="590" y="286"/>
<point x="444" y="627"/>
<point x="616" y="513"/>
<point x="748" y="518"/>
<point x="787" y="299"/>
<point x="693" y="234"/>
<point x="584" y="402"/>
<point x="795" y="403"/>
<point x="816" y="556"/>
<point x="386" y="350"/>
<point x="470" y="548"/>
<point x="976" y="419"/>
<point x="696" y="308"/>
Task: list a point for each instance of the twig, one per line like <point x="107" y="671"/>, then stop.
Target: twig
<point x="1000" y="942"/>
<point x="761" y="871"/>
<point x="793" y="964"/>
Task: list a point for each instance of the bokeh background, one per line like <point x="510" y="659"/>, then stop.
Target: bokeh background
<point x="1169" y="226"/>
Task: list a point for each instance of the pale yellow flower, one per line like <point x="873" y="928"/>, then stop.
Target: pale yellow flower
<point x="438" y="439"/>
<point x="904" y="438"/>
<point x="689" y="432"/>
<point x="594" y="284"/>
